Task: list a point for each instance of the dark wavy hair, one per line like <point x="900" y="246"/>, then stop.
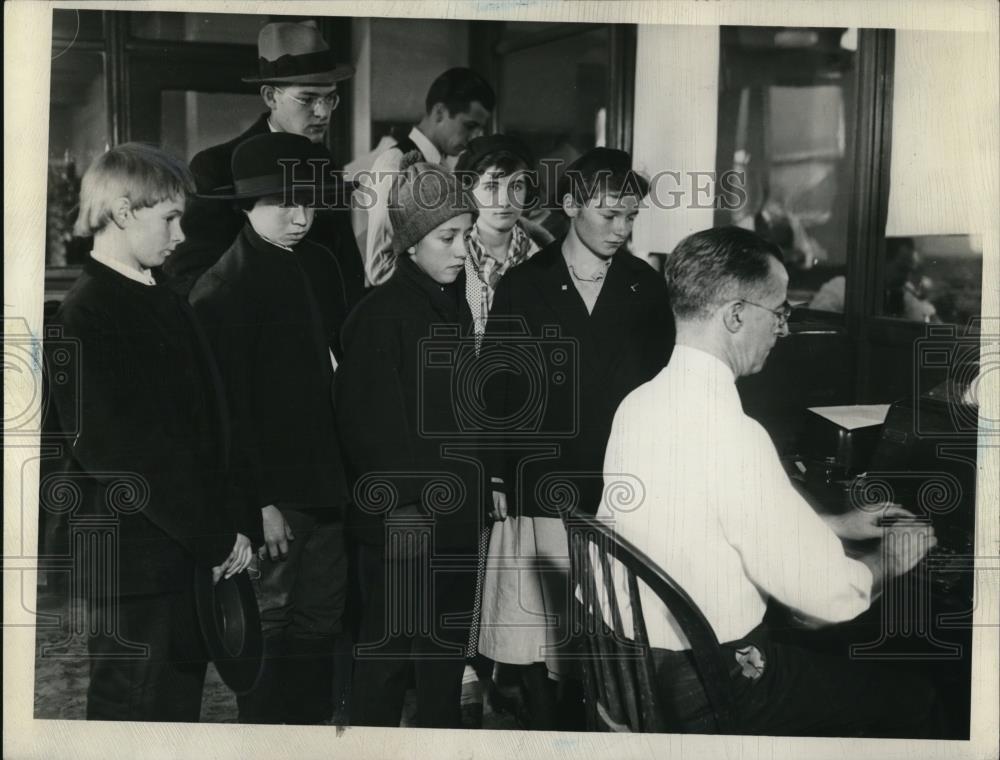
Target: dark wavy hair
<point x="458" y="89"/>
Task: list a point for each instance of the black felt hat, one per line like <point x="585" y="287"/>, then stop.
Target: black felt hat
<point x="230" y="625"/>
<point x="281" y="163"/>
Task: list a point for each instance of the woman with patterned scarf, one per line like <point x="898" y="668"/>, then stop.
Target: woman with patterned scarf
<point x="499" y="170"/>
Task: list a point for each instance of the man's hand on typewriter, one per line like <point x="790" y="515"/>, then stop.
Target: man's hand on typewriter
<point x="870" y="522"/>
<point x="905" y="545"/>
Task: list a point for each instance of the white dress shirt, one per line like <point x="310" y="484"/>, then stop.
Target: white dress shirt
<point x="139" y="275"/>
<point x="379" y="258"/>
<point x="716" y="509"/>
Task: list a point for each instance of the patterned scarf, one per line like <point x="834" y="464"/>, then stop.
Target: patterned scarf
<point x="483" y="272"/>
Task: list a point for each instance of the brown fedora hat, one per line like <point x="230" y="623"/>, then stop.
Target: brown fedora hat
<point x="296" y="53"/>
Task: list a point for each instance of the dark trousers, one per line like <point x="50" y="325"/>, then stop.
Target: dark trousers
<point x="413" y="617"/>
<point x="301" y="600"/>
<point x="801" y="693"/>
<point x="163" y="684"/>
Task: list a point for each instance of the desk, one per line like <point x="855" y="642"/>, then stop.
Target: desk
<point x="923" y="620"/>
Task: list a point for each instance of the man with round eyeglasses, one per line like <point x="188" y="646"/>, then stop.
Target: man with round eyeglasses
<point x="298" y="76"/>
<point x="301" y="109"/>
<point x="721" y="516"/>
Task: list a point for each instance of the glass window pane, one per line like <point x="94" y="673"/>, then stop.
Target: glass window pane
<point x="192" y="121"/>
<point x="198" y="27"/>
<point x="76" y="25"/>
<point x="571" y="76"/>
<point x="78" y="133"/>
<point x="785" y="115"/>
<point x="933" y="278"/>
<point x="407" y="55"/>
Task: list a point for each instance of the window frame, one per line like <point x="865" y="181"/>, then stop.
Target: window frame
<point x="488" y="37"/>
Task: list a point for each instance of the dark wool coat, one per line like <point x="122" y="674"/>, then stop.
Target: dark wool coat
<point x="147" y="403"/>
<point x="567" y="372"/>
<point x="259" y="305"/>
<point x="395" y="409"/>
<point x="211" y="226"/>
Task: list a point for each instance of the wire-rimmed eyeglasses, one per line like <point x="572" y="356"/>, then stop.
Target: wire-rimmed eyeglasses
<point x="782" y="313"/>
<point x="331" y="101"/>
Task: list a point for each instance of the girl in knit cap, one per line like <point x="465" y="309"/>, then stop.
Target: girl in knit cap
<point x="418" y="503"/>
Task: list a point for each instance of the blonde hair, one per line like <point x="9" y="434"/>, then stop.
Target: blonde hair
<point x="142" y="173"/>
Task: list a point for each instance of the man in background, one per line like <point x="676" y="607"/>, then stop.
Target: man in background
<point x="458" y="107"/>
<point x="298" y="74"/>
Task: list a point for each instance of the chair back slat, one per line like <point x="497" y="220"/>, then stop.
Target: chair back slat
<point x="623" y="666"/>
<point x="610" y="692"/>
<point x="653" y="719"/>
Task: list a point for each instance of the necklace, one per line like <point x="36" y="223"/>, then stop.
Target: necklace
<point x="598" y="275"/>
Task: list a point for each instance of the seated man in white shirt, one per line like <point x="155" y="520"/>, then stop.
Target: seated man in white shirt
<point x="721" y="516"/>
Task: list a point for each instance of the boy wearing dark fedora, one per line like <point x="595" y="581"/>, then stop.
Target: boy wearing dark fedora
<point x="298" y="75"/>
<point x="263" y="307"/>
<point x="151" y="451"/>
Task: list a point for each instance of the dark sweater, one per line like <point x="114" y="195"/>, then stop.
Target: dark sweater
<point x="396" y="408"/>
<point x="583" y="366"/>
<point x="259" y="305"/>
<point x="150" y="410"/>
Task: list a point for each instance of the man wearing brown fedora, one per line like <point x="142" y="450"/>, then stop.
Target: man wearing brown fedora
<point x="265" y="307"/>
<point x="298" y="75"/>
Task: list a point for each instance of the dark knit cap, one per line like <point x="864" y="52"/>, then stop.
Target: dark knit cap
<point x="424" y="196"/>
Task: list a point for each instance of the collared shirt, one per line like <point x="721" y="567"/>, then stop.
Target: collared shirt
<point x="483" y="272"/>
<point x="715" y="509"/>
<point x="430" y="151"/>
<point x="139" y="275"/>
<point x="276" y="245"/>
<point x="379" y="257"/>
